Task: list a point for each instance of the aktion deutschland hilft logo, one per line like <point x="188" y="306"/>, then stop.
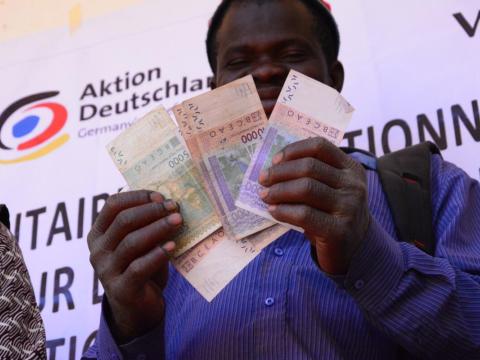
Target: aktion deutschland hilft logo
<point x="32" y="135"/>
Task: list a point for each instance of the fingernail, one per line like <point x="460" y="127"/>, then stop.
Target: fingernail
<point x="169" y="246"/>
<point x="272" y="208"/>
<point x="174" y="219"/>
<point x="277" y="158"/>
<point x="263" y="177"/>
<point x="156" y="197"/>
<point x="170" y="205"/>
<point x="264" y="193"/>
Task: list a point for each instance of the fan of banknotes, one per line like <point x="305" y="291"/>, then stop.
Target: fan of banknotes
<point x="210" y="163"/>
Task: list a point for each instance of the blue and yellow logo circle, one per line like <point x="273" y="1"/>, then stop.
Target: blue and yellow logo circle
<point x="24" y="134"/>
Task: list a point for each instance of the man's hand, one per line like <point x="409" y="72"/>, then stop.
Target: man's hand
<point x="314" y="185"/>
<point x="129" y="246"/>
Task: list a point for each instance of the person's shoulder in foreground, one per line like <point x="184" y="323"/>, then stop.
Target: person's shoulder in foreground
<point x="22" y="335"/>
<point x="346" y="289"/>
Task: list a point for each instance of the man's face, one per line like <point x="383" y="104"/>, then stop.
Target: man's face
<point x="267" y="41"/>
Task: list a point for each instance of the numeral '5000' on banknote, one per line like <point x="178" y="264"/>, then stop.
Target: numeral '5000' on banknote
<point x="305" y="108"/>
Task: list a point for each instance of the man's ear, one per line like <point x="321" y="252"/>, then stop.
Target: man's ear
<point x="213" y="83"/>
<point x="337" y="74"/>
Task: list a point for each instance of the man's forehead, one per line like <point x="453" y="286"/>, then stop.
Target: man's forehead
<point x="262" y="21"/>
<point x="267" y="7"/>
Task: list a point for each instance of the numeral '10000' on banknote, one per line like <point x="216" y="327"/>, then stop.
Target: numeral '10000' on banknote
<point x="305" y="108"/>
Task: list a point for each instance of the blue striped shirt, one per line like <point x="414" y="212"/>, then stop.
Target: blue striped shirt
<point x="281" y="306"/>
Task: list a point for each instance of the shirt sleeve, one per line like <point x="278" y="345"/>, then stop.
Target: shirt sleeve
<point x="148" y="346"/>
<point x="429" y="305"/>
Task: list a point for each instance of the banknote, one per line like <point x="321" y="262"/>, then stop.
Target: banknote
<point x="185" y="124"/>
<point x="226" y="125"/>
<point x="151" y="155"/>
<point x="210" y="265"/>
<point x="305" y="108"/>
<point x="183" y="118"/>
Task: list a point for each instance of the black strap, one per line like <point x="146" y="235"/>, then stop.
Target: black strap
<point x="405" y="177"/>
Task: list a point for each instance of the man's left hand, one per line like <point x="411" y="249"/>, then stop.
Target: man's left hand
<point x="314" y="185"/>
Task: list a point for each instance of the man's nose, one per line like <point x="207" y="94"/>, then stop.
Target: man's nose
<point x="266" y="71"/>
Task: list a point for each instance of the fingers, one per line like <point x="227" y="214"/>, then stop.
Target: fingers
<point x="115" y="204"/>
<point x="304" y="217"/>
<point x="303" y="168"/>
<point x="129" y="220"/>
<point x="138" y="243"/>
<point x="316" y="147"/>
<point x="134" y="247"/>
<point x="315" y="186"/>
<point x="150" y="221"/>
<point x="142" y="269"/>
<point x="305" y="191"/>
<point x="310" y="180"/>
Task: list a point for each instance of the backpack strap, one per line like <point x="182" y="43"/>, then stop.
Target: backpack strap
<point x="405" y="177"/>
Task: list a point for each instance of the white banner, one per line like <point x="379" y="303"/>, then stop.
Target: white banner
<point x="72" y="83"/>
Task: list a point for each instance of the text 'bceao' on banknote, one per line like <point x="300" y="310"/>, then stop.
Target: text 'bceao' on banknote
<point x="305" y="108"/>
<point x="151" y="155"/>
<point x="211" y="264"/>
<point x="226" y="125"/>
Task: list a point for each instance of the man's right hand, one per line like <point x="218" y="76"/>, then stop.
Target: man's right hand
<point x="129" y="246"/>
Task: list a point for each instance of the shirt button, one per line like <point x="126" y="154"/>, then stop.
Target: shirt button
<point x="114" y="357"/>
<point x="359" y="284"/>
<point x="278" y="251"/>
<point x="269" y="301"/>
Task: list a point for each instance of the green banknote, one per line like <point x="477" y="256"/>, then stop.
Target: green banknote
<point x="151" y="155"/>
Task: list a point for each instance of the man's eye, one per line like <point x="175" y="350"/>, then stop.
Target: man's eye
<point x="237" y="62"/>
<point x="293" y="56"/>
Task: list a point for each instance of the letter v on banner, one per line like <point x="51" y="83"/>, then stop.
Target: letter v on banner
<point x="469" y="29"/>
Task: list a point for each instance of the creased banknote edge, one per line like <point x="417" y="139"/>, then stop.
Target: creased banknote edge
<point x="267" y="216"/>
<point x="210" y="230"/>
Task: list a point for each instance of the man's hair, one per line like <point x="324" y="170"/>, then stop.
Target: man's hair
<point x="324" y="24"/>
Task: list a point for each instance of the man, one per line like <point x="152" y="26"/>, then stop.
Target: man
<point x="346" y="289"/>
